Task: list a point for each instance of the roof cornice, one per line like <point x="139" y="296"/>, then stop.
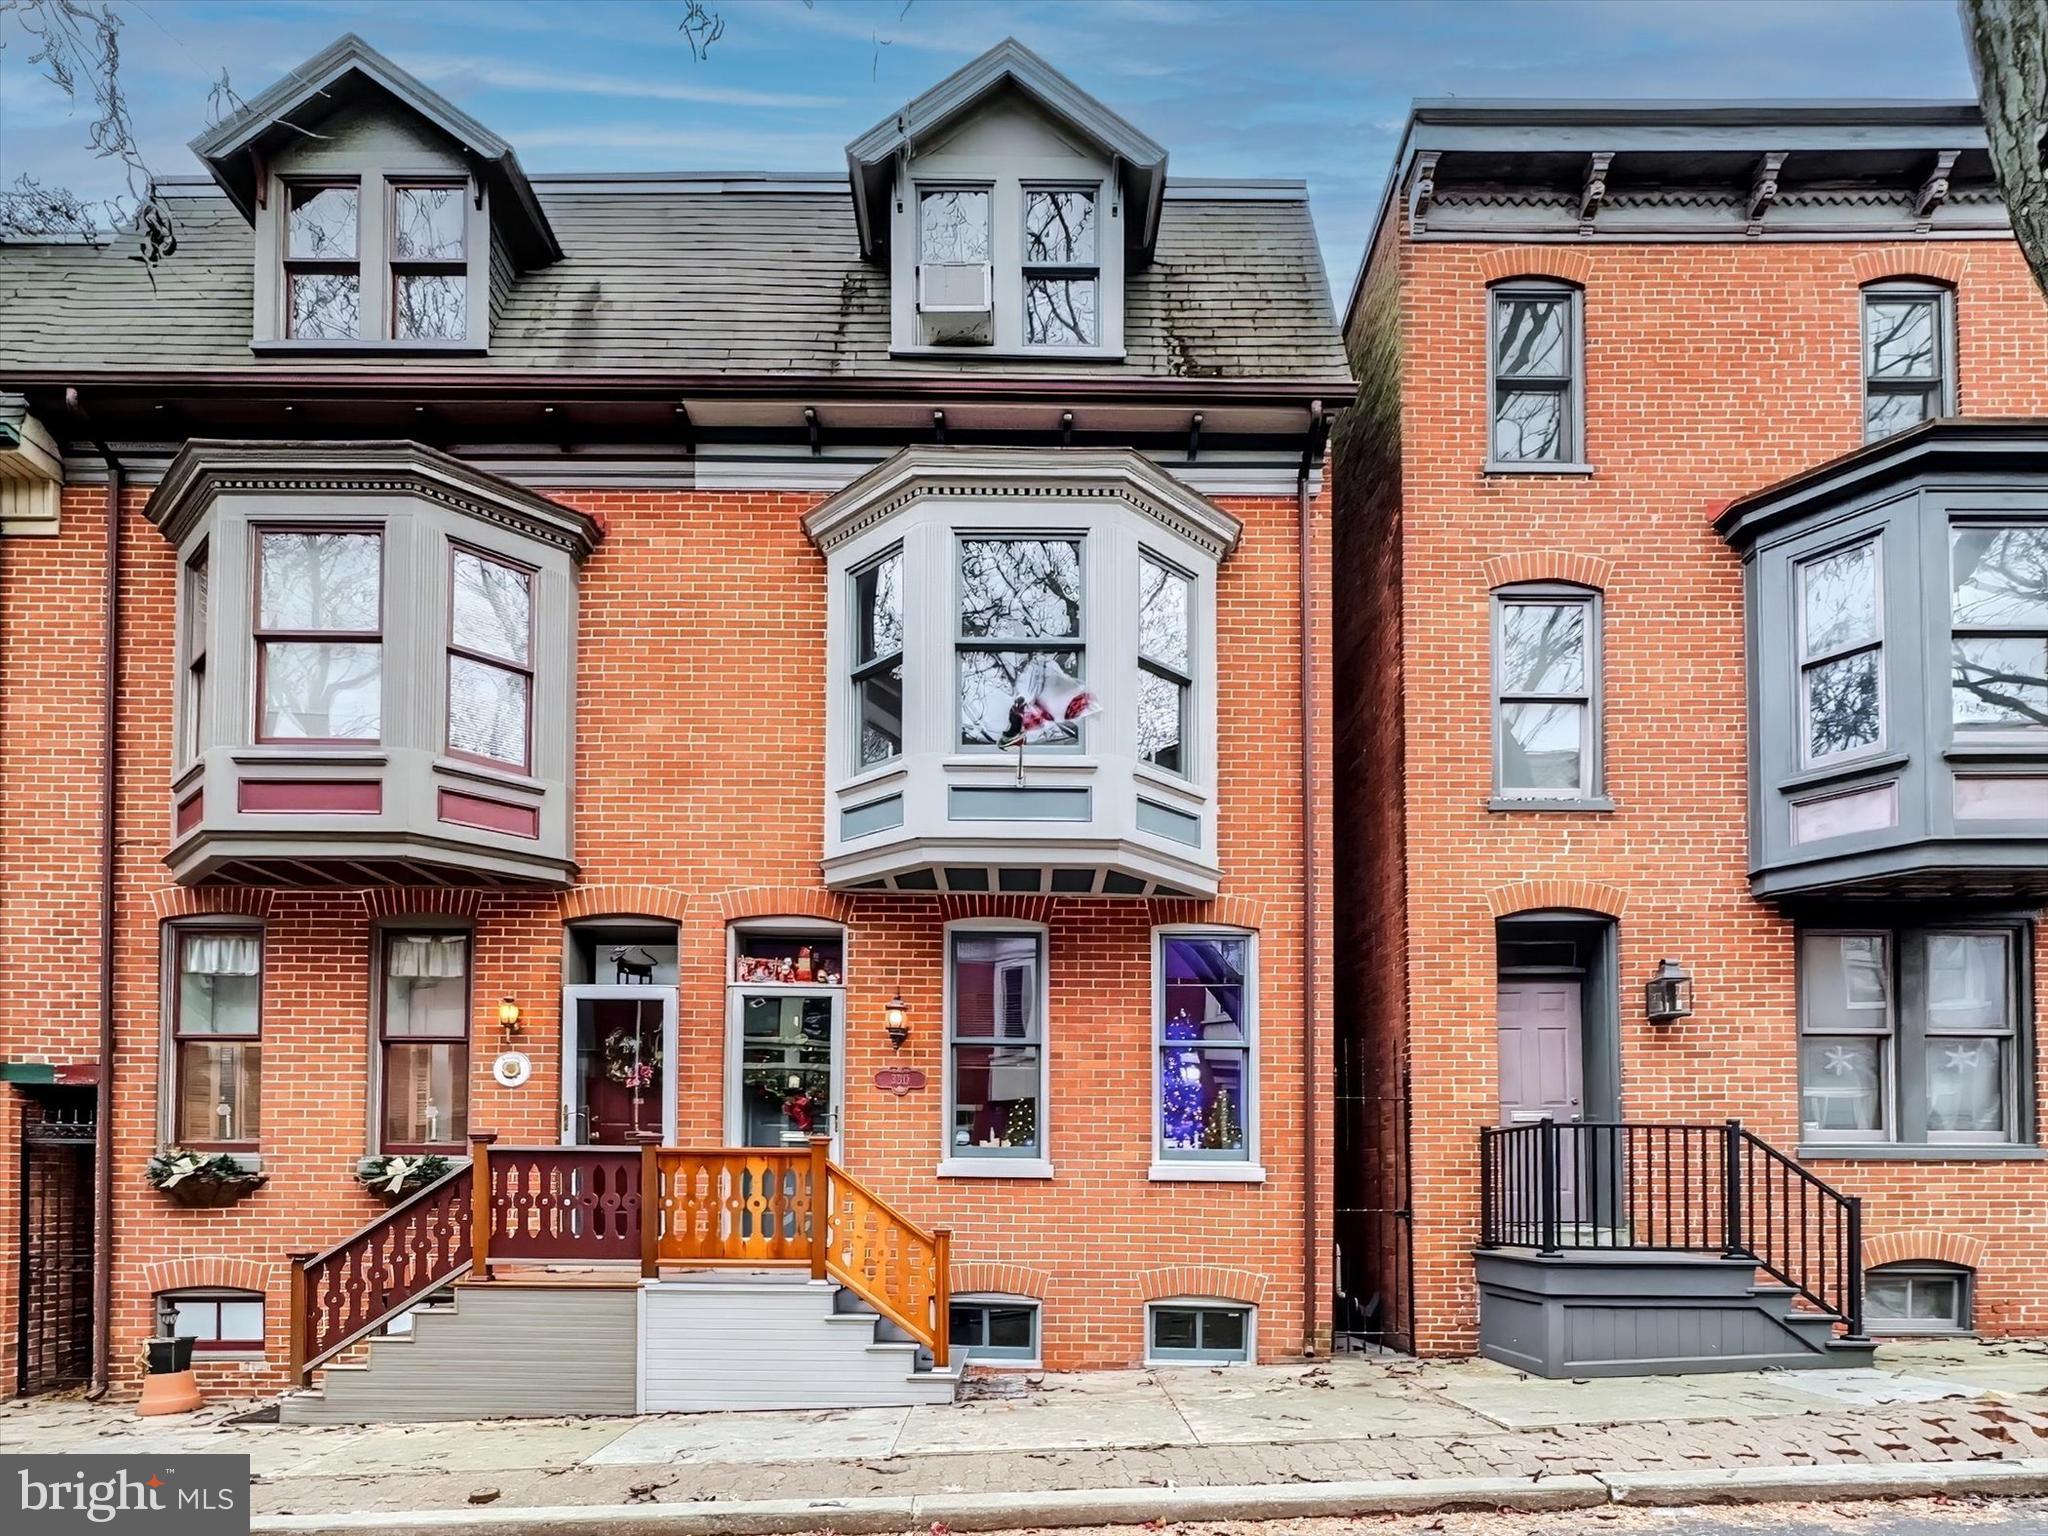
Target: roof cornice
<point x="982" y="473"/>
<point x="205" y="467"/>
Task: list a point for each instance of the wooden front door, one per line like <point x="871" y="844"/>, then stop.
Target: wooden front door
<point x="55" y="1323"/>
<point x="1542" y="1063"/>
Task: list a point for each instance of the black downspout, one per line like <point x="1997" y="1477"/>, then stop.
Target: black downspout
<point x="1311" y="1016"/>
<point x="103" y="1119"/>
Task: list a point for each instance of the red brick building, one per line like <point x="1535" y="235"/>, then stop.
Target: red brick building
<point x="537" y="658"/>
<point x="1668" y="631"/>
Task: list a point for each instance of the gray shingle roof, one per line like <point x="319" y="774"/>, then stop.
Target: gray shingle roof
<point x="746" y="278"/>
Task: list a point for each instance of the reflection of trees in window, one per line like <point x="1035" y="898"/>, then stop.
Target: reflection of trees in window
<point x="1999" y="604"/>
<point x="1904" y="380"/>
<point x="319" y="634"/>
<point x="490" y="678"/>
<point x="1841" y="650"/>
<point x="878" y="659"/>
<point x="953" y="226"/>
<point x="1545" y="698"/>
<point x="1164" y="675"/>
<point x="1059" y="228"/>
<point x="1020" y="610"/>
<point x="1060" y="271"/>
<point x="428" y="274"/>
<point x="1059" y="311"/>
<point x="1533" y="357"/>
<point x="323" y="275"/>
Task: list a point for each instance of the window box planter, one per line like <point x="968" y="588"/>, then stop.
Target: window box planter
<point x="200" y="1181"/>
<point x="397" y="1177"/>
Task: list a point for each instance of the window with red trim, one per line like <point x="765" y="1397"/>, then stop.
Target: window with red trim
<point x="490" y="659"/>
<point x="217" y="1037"/>
<point x="217" y="1322"/>
<point x="320" y="634"/>
<point x="423" y="1041"/>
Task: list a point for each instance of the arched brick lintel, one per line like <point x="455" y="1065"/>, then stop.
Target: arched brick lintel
<point x="783" y="901"/>
<point x="1559" y="894"/>
<point x="1565" y="265"/>
<point x="208" y="1271"/>
<point x="175" y="901"/>
<point x="623" y="901"/>
<point x="1548" y="565"/>
<point x="1000" y="1280"/>
<point x="1909" y="261"/>
<point x="1224" y="911"/>
<point x="1202" y="1280"/>
<point x="423" y="901"/>
<point x="1941" y="1247"/>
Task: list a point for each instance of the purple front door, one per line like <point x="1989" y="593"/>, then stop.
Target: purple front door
<point x="1542" y="1063"/>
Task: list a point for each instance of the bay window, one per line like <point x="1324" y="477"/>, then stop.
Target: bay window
<point x="1061" y="274"/>
<point x="194" y="703"/>
<point x="217" y="1037"/>
<point x="1841" y="653"/>
<point x="996" y="1045"/>
<point x="878" y="659"/>
<point x="1165" y="665"/>
<point x="1020" y="632"/>
<point x="1998" y="590"/>
<point x="429" y="274"/>
<point x="319" y="635"/>
<point x="490" y="659"/>
<point x="323" y="273"/>
<point x="423" y="1041"/>
<point x="1913" y="1035"/>
<point x="1204" y="1039"/>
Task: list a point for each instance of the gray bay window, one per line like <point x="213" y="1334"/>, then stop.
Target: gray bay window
<point x="1020" y="633"/>
<point x="319" y="634"/>
<point x="1998" y="585"/>
<point x="1908" y="357"/>
<point x="1841" y="653"/>
<point x="1165" y="665"/>
<point x="1547" y="725"/>
<point x="878" y="659"/>
<point x="1534" y="366"/>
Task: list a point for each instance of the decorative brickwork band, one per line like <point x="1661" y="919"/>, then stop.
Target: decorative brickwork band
<point x="623" y="901"/>
<point x="1557" y="895"/>
<point x="1548" y="565"/>
<point x="206" y="1272"/>
<point x="175" y="901"/>
<point x="1907" y="262"/>
<point x="1224" y="911"/>
<point x="1202" y="1280"/>
<point x="1907" y="1247"/>
<point x="1565" y="265"/>
<point x="1000" y="1280"/>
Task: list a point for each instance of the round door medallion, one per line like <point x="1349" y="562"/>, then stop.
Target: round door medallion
<point x="512" y="1069"/>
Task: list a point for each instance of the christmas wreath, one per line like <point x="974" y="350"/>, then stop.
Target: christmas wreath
<point x="627" y="1060"/>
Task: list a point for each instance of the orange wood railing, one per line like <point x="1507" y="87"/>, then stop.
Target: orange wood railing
<point x="891" y="1263"/>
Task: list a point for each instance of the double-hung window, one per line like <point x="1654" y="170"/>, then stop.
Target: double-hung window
<point x="996" y="1044"/>
<point x="1205" y="1041"/>
<point x="1841" y="653"/>
<point x="194" y="703"/>
<point x="323" y="269"/>
<point x="429" y="270"/>
<point x="217" y="1037"/>
<point x="1908" y="368"/>
<point x="878" y="659"/>
<point x="1165" y="665"/>
<point x="1062" y="276"/>
<point x="1912" y="1035"/>
<point x="1547" y="694"/>
<point x="1020" y="636"/>
<point x="490" y="659"/>
<point x="1998" y="591"/>
<point x="319" y="634"/>
<point x="423" y="1041"/>
<point x="1534" y="365"/>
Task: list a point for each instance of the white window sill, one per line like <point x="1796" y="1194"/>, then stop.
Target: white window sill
<point x="1919" y="1152"/>
<point x="228" y="1357"/>
<point x="1206" y="1173"/>
<point x="1536" y="468"/>
<point x="1597" y="804"/>
<point x="995" y="1168"/>
<point x="293" y="347"/>
<point x="1013" y="354"/>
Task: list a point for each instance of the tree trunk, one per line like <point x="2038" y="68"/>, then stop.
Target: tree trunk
<point x="2008" y="42"/>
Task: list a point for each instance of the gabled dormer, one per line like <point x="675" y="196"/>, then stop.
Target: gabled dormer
<point x="1007" y="205"/>
<point x="386" y="219"/>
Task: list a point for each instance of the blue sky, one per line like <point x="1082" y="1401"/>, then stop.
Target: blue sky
<point x="1309" y="88"/>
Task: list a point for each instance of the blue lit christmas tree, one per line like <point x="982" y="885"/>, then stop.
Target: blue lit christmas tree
<point x="1180" y="1087"/>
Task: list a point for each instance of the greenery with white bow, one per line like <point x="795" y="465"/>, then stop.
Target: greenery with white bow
<point x="401" y="1174"/>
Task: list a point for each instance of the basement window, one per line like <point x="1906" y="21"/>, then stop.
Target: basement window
<point x="1197" y="1333"/>
<point x="218" y="1322"/>
<point x="995" y="1330"/>
<point x="1917" y="1297"/>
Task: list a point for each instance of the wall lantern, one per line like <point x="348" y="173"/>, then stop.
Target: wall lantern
<point x="1667" y="996"/>
<point x="897" y="1012"/>
<point x="508" y="1016"/>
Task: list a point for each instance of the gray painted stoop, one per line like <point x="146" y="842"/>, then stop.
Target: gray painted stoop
<point x="711" y="1340"/>
<point x="1580" y="1313"/>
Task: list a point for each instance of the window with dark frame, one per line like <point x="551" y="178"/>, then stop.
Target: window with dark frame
<point x="1841" y="652"/>
<point x="217" y="1037"/>
<point x="217" y="1322"/>
<point x="1205" y="1041"/>
<point x="994" y="1328"/>
<point x="196" y="571"/>
<point x="1913" y="1035"/>
<point x="1533" y="365"/>
<point x="1198" y="1334"/>
<point x="878" y="659"/>
<point x="1922" y="1296"/>
<point x="996" y="1045"/>
<point x="1998" y="606"/>
<point x="319" y="634"/>
<point x="1908" y="372"/>
<point x="423" y="1041"/>
<point x="1165" y="664"/>
<point x="1061" y="270"/>
<point x="1020" y="626"/>
<point x="323" y="271"/>
<point x="490" y="659"/>
<point x="1547" y="725"/>
<point x="429" y="266"/>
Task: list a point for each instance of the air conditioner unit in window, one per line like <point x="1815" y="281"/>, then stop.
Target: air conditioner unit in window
<point x="955" y="288"/>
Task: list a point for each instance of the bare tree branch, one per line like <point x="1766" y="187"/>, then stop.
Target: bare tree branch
<point x="701" y="27"/>
<point x="2008" y="42"/>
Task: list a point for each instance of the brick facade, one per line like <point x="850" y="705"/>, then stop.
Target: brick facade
<point x="1710" y="369"/>
<point x="693" y="814"/>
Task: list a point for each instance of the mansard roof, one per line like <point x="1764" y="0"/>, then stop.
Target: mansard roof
<point x="340" y="74"/>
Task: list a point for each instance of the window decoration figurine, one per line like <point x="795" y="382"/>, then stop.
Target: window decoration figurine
<point x="628" y="970"/>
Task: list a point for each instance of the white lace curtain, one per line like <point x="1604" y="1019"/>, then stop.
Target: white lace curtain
<point x="225" y="954"/>
<point x="426" y="956"/>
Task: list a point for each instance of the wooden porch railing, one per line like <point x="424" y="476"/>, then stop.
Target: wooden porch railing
<point x="749" y="1207"/>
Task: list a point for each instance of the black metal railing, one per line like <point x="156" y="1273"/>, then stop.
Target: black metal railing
<point x="1634" y="1186"/>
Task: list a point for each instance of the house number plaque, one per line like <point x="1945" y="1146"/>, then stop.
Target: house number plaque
<point x="512" y="1069"/>
<point x="899" y="1080"/>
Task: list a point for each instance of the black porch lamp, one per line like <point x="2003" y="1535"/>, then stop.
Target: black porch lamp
<point x="1667" y="996"/>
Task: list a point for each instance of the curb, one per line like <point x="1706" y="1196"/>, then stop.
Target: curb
<point x="1136" y="1506"/>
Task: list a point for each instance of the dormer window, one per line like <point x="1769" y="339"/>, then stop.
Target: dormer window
<point x="1060" y="271"/>
<point x="322" y="261"/>
<point x="428" y="273"/>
